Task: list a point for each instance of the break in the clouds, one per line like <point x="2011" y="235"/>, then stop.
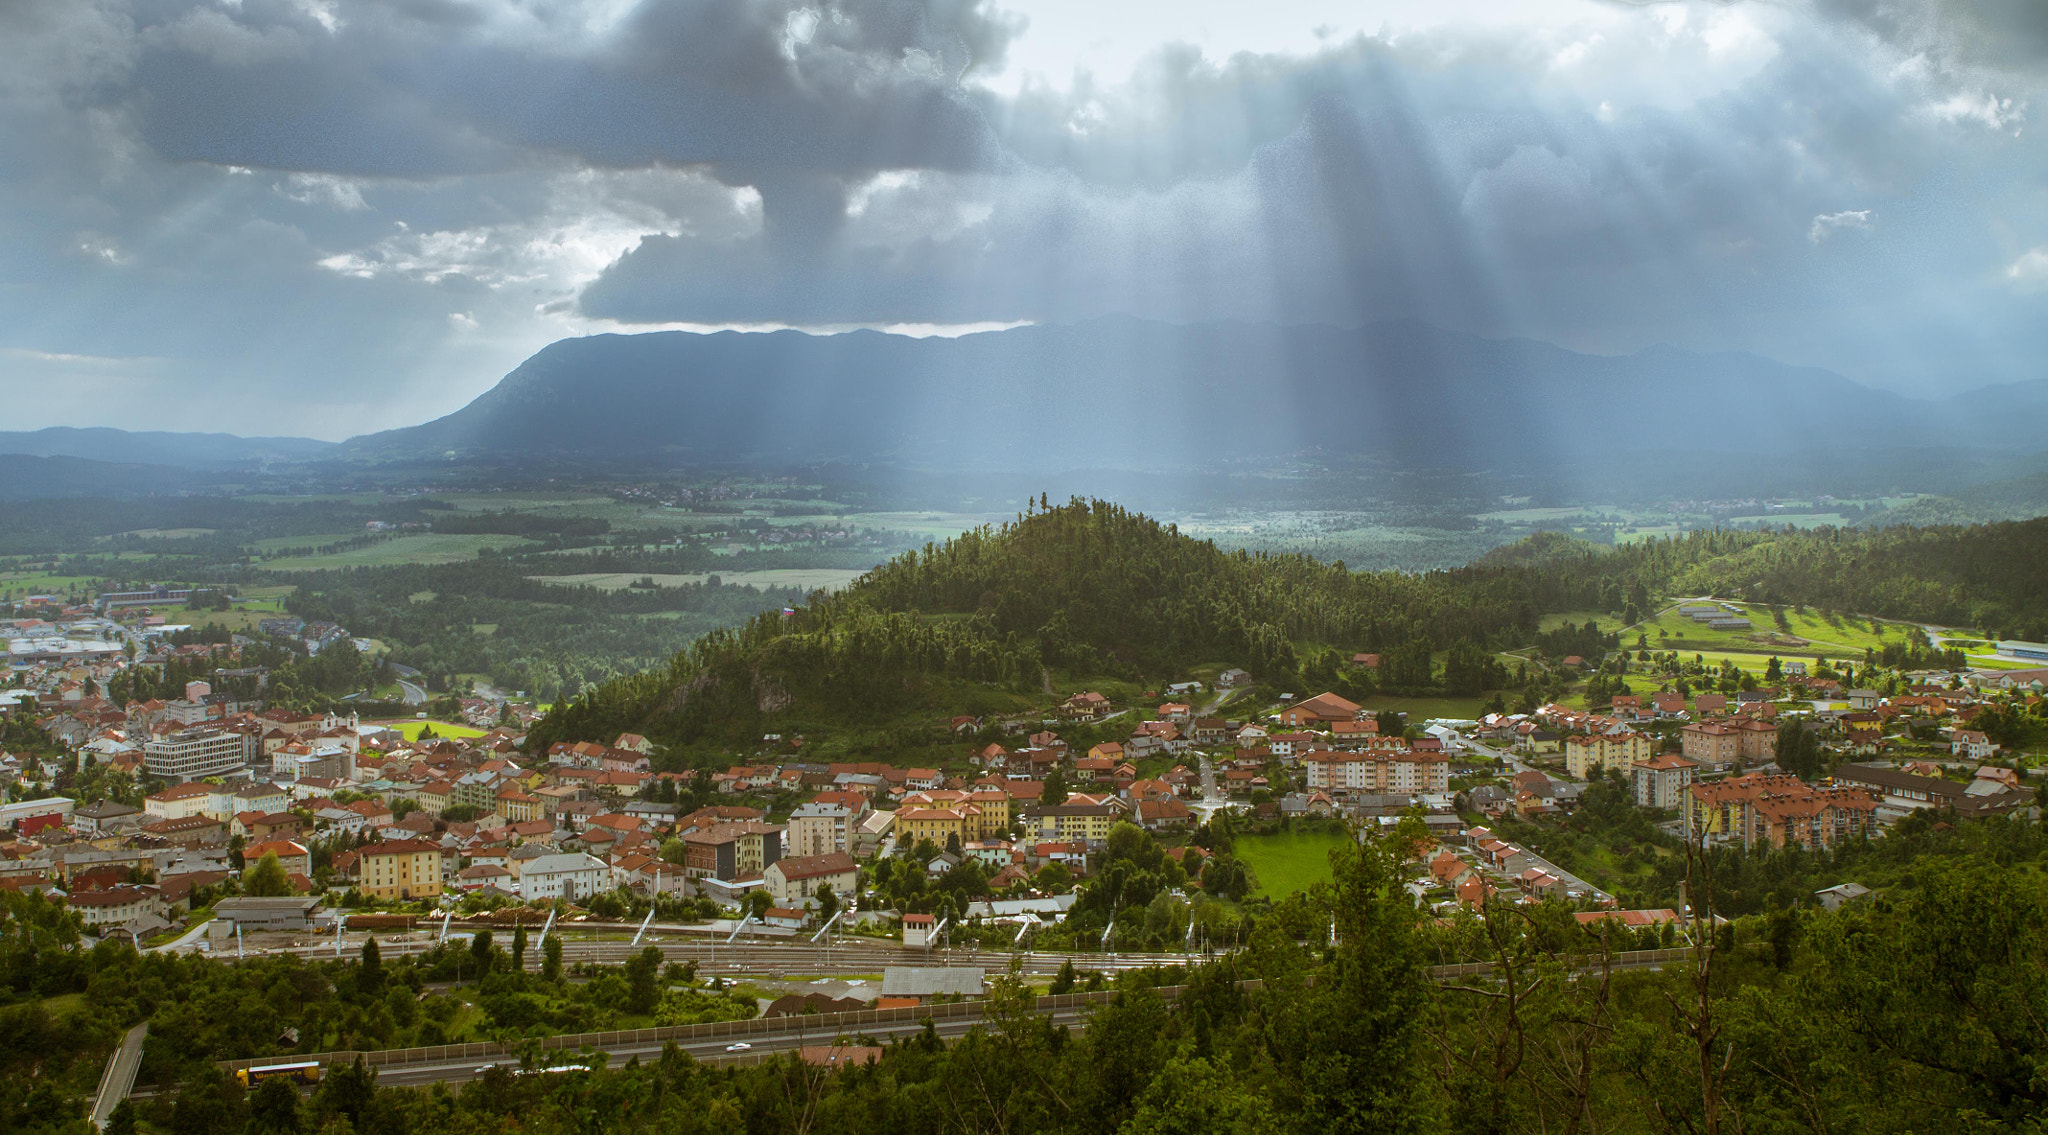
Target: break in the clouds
<point x="307" y="216"/>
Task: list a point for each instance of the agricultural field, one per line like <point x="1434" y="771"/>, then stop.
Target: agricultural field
<point x="275" y="543"/>
<point x="1288" y="862"/>
<point x="810" y="579"/>
<point x="161" y="534"/>
<point x="243" y="617"/>
<point x="19" y="583"/>
<point x="1831" y="636"/>
<point x="427" y="548"/>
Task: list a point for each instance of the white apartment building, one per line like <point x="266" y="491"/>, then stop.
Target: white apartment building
<point x="817" y="829"/>
<point x="1382" y="773"/>
<point x="194" y="753"/>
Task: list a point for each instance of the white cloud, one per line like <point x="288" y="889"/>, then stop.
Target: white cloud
<point x="1983" y="109"/>
<point x="1827" y="224"/>
<point x="323" y="189"/>
<point x="2031" y="269"/>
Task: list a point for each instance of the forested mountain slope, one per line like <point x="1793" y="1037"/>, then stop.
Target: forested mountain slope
<point x="1089" y="588"/>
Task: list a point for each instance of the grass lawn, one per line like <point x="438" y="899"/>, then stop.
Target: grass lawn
<point x="410" y="730"/>
<point x="1608" y="620"/>
<point x="1996" y="662"/>
<point x="64" y="1003"/>
<point x="1284" y="864"/>
<point x="429" y="548"/>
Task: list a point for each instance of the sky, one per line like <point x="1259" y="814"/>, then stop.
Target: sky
<point x="327" y="217"/>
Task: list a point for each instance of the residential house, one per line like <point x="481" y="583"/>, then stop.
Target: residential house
<point x="291" y="854"/>
<point x="729" y="851"/>
<point x="566" y="875"/>
<point x="1972" y="744"/>
<point x="1902" y="792"/>
<point x="794" y="880"/>
<point x="116" y="906"/>
<point x="1835" y="897"/>
<point x="1322" y="709"/>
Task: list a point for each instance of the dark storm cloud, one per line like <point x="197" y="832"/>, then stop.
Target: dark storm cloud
<point x="2007" y="35"/>
<point x="412" y="89"/>
<point x="388" y="202"/>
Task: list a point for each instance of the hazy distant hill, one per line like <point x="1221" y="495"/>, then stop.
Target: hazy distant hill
<point x="1122" y="393"/>
<point x="156" y="447"/>
<point x="24" y="477"/>
<point x="2020" y="498"/>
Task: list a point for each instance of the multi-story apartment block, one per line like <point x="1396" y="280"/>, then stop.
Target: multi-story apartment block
<point x="1383" y="772"/>
<point x="194" y="753"/>
<point x="1661" y="781"/>
<point x="1775" y="810"/>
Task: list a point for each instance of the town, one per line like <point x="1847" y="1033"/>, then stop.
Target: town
<point x="156" y="820"/>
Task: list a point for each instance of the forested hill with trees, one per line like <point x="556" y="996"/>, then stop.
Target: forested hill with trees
<point x="1091" y="589"/>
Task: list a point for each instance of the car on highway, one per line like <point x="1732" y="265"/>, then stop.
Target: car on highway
<point x="742" y="1046"/>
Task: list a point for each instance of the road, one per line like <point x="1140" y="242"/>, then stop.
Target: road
<point x="716" y="1050"/>
<point x="413" y="694"/>
<point x="119" y="1079"/>
<point x="1505" y="756"/>
<point x="1213" y="798"/>
<point x="1938" y="637"/>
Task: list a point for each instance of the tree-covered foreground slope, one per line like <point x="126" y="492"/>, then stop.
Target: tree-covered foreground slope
<point x="1089" y="588"/>
<point x="1920" y="1009"/>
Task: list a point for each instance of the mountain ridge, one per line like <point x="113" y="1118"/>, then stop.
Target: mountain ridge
<point x="1153" y="395"/>
<point x="158" y="447"/>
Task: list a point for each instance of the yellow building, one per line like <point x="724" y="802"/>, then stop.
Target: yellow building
<point x="994" y="805"/>
<point x="1089" y="823"/>
<point x="1619" y="752"/>
<point x="399" y="869"/>
<point x="984" y="812"/>
<point x="516" y="806"/>
<point x="935" y="824"/>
